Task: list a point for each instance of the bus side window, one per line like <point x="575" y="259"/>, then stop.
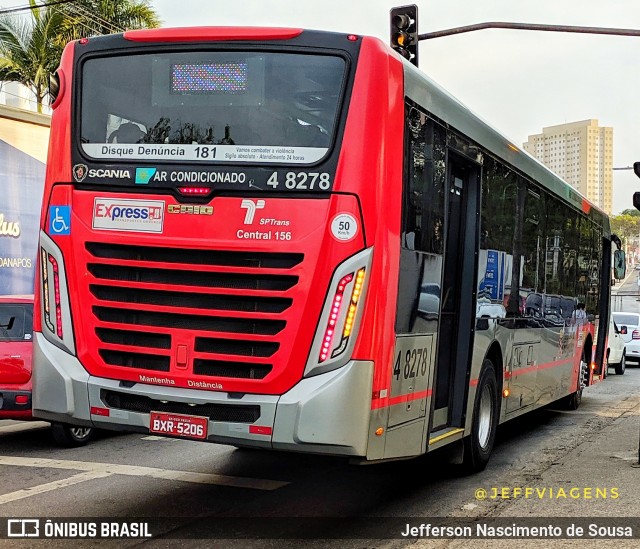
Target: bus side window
<point x="422" y="223"/>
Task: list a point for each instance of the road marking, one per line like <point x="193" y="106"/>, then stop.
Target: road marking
<point x="49" y="486"/>
<point x="140" y="471"/>
<point x="25" y="426"/>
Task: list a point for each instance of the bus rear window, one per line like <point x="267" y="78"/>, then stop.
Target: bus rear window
<point x="211" y="106"/>
<point x="16" y="322"/>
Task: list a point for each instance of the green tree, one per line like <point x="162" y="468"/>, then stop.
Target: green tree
<point x="632" y="212"/>
<point x="94" y="17"/>
<point x="29" y="50"/>
<point x="626" y="226"/>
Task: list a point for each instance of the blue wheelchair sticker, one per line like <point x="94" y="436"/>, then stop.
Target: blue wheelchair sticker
<point x="59" y="220"/>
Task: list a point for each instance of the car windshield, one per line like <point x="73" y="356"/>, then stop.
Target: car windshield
<point x="626" y="319"/>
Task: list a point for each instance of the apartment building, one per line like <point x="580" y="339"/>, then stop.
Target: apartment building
<point x="581" y="153"/>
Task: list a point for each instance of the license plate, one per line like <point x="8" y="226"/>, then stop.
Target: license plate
<point x="178" y="425"/>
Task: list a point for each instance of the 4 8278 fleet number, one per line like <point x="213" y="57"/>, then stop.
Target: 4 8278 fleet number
<point x="306" y="181"/>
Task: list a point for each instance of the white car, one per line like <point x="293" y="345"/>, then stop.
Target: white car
<point x="629" y="326"/>
<point x="616" y="355"/>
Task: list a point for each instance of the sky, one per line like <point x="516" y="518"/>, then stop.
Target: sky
<point x="518" y="81"/>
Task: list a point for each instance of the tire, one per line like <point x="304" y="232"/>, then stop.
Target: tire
<point x="572" y="402"/>
<point x="71" y="436"/>
<point x="479" y="444"/>
<point x="621" y="366"/>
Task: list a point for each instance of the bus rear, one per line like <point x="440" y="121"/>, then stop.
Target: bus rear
<point x="206" y="265"/>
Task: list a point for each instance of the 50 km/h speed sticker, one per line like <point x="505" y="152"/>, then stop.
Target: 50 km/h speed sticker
<point x="344" y="227"/>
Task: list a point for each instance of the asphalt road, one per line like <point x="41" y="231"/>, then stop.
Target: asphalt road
<point x="190" y="482"/>
<point x="143" y="476"/>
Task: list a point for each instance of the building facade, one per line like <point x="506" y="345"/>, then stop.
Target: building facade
<point x="582" y="154"/>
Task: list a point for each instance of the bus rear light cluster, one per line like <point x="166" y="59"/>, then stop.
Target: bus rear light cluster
<point x="635" y="334"/>
<point x="338" y="326"/>
<point x="46" y="305"/>
<point x="55" y="310"/>
<point x="333" y="317"/>
<point x="56" y="293"/>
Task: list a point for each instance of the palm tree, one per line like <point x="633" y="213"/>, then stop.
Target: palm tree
<point x="93" y="17"/>
<point x="28" y="49"/>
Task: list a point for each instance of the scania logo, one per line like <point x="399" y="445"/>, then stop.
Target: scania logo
<point x="189" y="209"/>
<point x="80" y="172"/>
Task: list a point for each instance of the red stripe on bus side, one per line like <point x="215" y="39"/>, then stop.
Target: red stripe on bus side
<point x="377" y="403"/>
<point x="543" y="366"/>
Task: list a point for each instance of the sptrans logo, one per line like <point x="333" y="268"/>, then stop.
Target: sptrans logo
<point x="145" y="216"/>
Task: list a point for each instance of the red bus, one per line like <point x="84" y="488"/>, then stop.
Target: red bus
<point x="296" y="240"/>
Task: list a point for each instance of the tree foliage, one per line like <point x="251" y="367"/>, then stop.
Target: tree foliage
<point x="94" y="17"/>
<point x="626" y="226"/>
<point x="30" y="48"/>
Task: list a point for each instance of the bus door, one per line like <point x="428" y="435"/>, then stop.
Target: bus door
<point x="457" y="314"/>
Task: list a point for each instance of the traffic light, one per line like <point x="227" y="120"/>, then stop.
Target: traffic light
<point x="404" y="32"/>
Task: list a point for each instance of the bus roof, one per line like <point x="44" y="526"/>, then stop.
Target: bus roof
<point x="445" y="106"/>
<point x="210" y="34"/>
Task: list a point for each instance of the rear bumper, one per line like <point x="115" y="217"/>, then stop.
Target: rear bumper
<point x="632" y="351"/>
<point x="328" y="413"/>
<point x="10" y="409"/>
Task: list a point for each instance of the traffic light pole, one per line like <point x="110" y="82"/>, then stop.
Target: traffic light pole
<point x="528" y="26"/>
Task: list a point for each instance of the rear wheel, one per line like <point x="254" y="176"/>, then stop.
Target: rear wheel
<point x="573" y="401"/>
<point x="70" y="436"/>
<point x="479" y="444"/>
<point x="621" y="366"/>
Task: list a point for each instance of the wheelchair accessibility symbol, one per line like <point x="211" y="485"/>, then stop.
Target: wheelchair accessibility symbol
<point x="59" y="220"/>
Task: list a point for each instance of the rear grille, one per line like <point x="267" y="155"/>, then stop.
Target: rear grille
<point x="236" y="413"/>
<point x="149" y="304"/>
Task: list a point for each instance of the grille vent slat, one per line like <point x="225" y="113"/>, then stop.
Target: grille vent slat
<point x="192" y="300"/>
<point x="264" y="260"/>
<point x="222" y="368"/>
<point x="140" y="361"/>
<point x="189" y="322"/>
<point x="137" y="339"/>
<point x="237" y="413"/>
<point x="206" y="279"/>
<point x="236" y="347"/>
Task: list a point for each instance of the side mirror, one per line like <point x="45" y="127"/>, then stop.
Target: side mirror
<point x="619" y="264"/>
<point x="636" y="196"/>
<point x="623" y="330"/>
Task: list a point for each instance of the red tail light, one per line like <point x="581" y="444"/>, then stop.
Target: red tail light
<point x="635" y="334"/>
